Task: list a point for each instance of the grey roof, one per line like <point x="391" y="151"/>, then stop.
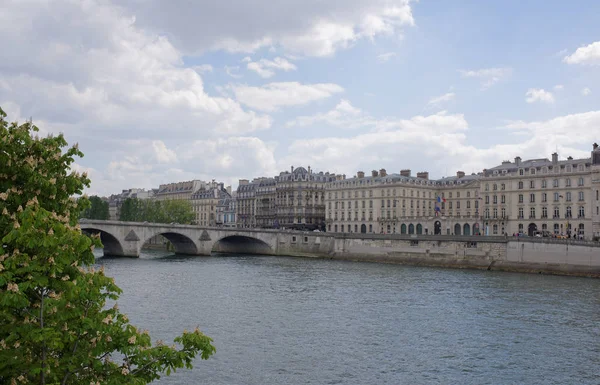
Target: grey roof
<point x="537" y="163"/>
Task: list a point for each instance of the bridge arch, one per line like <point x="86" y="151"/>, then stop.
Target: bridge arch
<point x="112" y="246"/>
<point x="242" y="244"/>
<point x="181" y="243"/>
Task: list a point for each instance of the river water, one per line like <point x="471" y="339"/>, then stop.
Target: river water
<point x="282" y="320"/>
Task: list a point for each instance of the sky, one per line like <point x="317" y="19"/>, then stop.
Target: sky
<point x="164" y="91"/>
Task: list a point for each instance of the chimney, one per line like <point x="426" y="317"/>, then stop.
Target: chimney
<point x="292" y="168"/>
<point x="374" y="173"/>
<point x="460" y="174"/>
<point x="570" y="158"/>
<point x="359" y="174"/>
<point x="518" y="161"/>
<point x="423" y="175"/>
<point x="382" y="172"/>
<point x="405" y="172"/>
<point x="243" y="182"/>
<point x="309" y="169"/>
<point x="228" y="188"/>
<point x="555" y="158"/>
<point x="595" y="146"/>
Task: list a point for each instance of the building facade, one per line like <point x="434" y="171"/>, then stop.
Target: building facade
<point x="537" y="196"/>
<point x="403" y="204"/>
<point x="292" y="199"/>
<point x="178" y="190"/>
<point x="226" y="211"/>
<point x="205" y="202"/>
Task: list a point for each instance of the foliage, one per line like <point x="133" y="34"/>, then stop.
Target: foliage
<point x="97" y="210"/>
<point x="146" y="210"/>
<point x="55" y="327"/>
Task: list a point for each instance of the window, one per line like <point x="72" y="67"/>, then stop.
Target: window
<point x="544" y="212"/>
<point x="555" y="183"/>
<point x="531" y="184"/>
<point x="495" y="187"/>
<point x="556" y="228"/>
<point x="487" y="187"/>
<point x="544" y="197"/>
<point x="532" y="212"/>
<point x="556" y="197"/>
<point x="581" y="196"/>
<point x="532" y="171"/>
<point x="520" y="212"/>
<point x="495" y="229"/>
<point x="487" y="199"/>
<point x="520" y="198"/>
<point x="568" y="182"/>
<point x="503" y="212"/>
<point x="531" y="198"/>
<point x="521" y="171"/>
<point x="544" y="183"/>
<point x="520" y="185"/>
<point x="468" y="194"/>
<point x="495" y="200"/>
<point x="580" y="182"/>
<point x="503" y="198"/>
<point x="568" y="196"/>
<point x="556" y="213"/>
<point x="581" y="212"/>
<point x="569" y="214"/>
<point x="495" y="213"/>
<point x="468" y="204"/>
<point x="503" y="187"/>
<point x="457" y="205"/>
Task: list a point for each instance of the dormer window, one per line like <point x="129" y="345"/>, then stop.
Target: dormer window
<point x="532" y="171"/>
<point x="569" y="168"/>
<point x="521" y="171"/>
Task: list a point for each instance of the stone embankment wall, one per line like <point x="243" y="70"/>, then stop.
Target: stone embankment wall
<point x="491" y="253"/>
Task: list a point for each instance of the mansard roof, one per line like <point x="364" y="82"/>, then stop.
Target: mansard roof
<point x="508" y="166"/>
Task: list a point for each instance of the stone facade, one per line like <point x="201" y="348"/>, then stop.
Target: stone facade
<point x="403" y="204"/>
<point x="205" y="202"/>
<point x="551" y="196"/>
<point x="178" y="190"/>
<point x="294" y="199"/>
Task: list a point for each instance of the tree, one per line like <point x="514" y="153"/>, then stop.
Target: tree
<point x="137" y="210"/>
<point x="97" y="210"/>
<point x="55" y="325"/>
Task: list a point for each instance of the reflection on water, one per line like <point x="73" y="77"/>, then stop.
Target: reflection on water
<point x="282" y="320"/>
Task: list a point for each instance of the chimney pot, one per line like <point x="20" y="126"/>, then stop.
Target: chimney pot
<point x="359" y="174"/>
<point x="518" y="160"/>
<point x="382" y="172"/>
<point x="405" y="172"/>
<point x="374" y="173"/>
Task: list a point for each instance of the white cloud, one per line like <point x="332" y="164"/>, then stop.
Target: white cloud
<point x="343" y="115"/>
<point x="272" y="96"/>
<point x="443" y="140"/>
<point x="487" y="76"/>
<point x="434" y="102"/>
<point x="266" y="68"/>
<point x="558" y="87"/>
<point x="384" y="57"/>
<point x="589" y="54"/>
<point x="203" y="68"/>
<point x="586" y="91"/>
<point x="162" y="153"/>
<point x="539" y="95"/>
<point x="233" y="71"/>
<point x="307" y="27"/>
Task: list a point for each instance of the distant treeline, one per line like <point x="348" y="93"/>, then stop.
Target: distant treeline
<point x="146" y="210"/>
<point x="97" y="210"/>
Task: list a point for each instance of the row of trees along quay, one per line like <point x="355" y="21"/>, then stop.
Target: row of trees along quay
<point x="56" y="323"/>
<point x="142" y="210"/>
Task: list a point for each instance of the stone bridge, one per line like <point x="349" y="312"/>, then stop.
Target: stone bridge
<point x="128" y="238"/>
